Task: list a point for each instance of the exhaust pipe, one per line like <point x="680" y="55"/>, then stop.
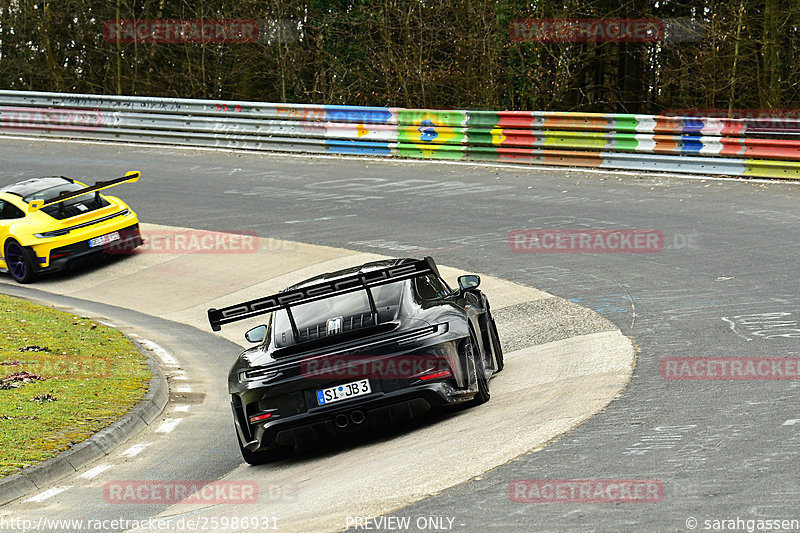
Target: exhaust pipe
<point x="357" y="417"/>
<point x="341" y="421"/>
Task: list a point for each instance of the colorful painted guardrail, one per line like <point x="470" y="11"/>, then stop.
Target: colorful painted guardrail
<point x="695" y="145"/>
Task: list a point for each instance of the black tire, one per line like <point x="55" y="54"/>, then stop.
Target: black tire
<point x="19" y="262"/>
<point x="483" y="395"/>
<point x="495" y="340"/>
<point x="263" y="457"/>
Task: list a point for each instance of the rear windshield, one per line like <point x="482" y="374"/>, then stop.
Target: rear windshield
<point x="347" y="312"/>
<point x="68" y="208"/>
<point x="53" y="192"/>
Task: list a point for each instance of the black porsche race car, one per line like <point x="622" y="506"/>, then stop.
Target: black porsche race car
<point x="356" y="349"/>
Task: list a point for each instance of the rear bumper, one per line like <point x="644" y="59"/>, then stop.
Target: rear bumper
<point x="80" y="251"/>
<point x="323" y="423"/>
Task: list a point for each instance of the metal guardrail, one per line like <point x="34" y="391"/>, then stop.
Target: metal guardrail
<point x="694" y="145"/>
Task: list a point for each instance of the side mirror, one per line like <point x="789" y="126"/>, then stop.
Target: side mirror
<point x="468" y="282"/>
<point x="35" y="205"/>
<point x="257" y="334"/>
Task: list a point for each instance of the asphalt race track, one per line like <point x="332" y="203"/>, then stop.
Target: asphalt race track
<point x="582" y="363"/>
<point x="724" y="285"/>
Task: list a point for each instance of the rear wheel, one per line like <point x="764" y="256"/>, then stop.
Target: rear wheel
<point x="263" y="457"/>
<point x="476" y="362"/>
<point x="19" y="261"/>
<point x="495" y="340"/>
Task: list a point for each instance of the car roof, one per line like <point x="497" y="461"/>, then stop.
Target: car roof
<point x="34" y="185"/>
<point x="366" y="267"/>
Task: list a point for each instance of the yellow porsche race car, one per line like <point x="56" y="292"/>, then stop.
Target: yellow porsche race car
<point x="46" y="224"/>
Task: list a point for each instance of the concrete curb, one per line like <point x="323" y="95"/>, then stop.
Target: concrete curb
<point x="98" y="445"/>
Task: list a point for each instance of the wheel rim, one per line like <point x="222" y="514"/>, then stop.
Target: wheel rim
<point x="15" y="260"/>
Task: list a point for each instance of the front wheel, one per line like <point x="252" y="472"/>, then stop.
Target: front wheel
<point x="19" y="262"/>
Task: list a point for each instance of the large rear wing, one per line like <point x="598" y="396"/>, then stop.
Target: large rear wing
<point x="129" y="177"/>
<point x="319" y="291"/>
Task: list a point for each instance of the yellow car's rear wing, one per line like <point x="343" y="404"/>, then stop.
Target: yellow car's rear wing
<point x="129" y="177"/>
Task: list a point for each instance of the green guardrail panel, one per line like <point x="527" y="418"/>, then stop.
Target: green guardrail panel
<point x="433" y="151"/>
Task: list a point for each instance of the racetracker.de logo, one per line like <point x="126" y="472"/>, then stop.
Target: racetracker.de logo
<point x="181" y="31"/>
<point x="585" y="241"/>
<point x="180" y="492"/>
<point x="54" y="366"/>
<point x="752" y="118"/>
<point x="189" y="241"/>
<point x="730" y="368"/>
<point x="337" y="367"/>
<point x="28" y="118"/>
<point x="586" y="30"/>
<point x="585" y="491"/>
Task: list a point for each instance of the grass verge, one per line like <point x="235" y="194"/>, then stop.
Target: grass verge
<point x="62" y="379"/>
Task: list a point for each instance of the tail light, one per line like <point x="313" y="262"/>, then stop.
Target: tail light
<point x="441" y="374"/>
<point x="259" y="418"/>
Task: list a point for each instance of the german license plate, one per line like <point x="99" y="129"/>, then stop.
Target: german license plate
<point x="104" y="239"/>
<point x="342" y="392"/>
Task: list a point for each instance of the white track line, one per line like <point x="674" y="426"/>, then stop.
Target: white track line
<point x="135" y="450"/>
<point x="49" y="493"/>
<point x="183" y="388"/>
<point x="182" y="408"/>
<point x="160" y="352"/>
<point x="168" y="425"/>
<point x="318" y="219"/>
<point x="791" y="422"/>
<point x="96" y="471"/>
